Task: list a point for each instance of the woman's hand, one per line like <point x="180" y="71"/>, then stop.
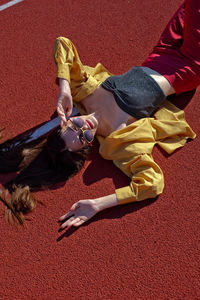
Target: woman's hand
<point x="84" y="210"/>
<point x="80" y="212"/>
<point x="65" y="103"/>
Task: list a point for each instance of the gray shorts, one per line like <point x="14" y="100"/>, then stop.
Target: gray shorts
<point x="136" y="92"/>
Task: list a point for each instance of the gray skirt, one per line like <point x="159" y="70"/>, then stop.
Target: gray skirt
<point x="136" y="92"/>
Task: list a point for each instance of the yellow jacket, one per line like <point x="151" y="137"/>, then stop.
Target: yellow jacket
<point x="131" y="147"/>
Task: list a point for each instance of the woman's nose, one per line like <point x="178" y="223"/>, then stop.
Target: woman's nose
<point x="85" y="126"/>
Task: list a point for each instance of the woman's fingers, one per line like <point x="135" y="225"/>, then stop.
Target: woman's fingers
<point x="66" y="216"/>
<point x="63" y="121"/>
<point x="80" y="212"/>
<point x="69" y="112"/>
<point x="70" y="213"/>
<point x="75" y="206"/>
<point x="78" y="223"/>
<point x="62" y="116"/>
<point x="65" y="104"/>
<point x="71" y="222"/>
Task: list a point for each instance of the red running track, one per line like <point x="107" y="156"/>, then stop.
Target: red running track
<point x="147" y="250"/>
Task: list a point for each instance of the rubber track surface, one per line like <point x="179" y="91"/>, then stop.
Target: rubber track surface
<point x="147" y="250"/>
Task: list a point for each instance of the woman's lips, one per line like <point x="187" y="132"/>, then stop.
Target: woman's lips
<point x="91" y="125"/>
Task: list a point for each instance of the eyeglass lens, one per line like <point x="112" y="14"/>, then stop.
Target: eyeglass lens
<point x="86" y="133"/>
<point x="78" y="122"/>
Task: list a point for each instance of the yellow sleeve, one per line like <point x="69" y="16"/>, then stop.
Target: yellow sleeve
<point x="147" y="180"/>
<point x="130" y="149"/>
<point x="170" y="127"/>
<point x="67" y="60"/>
<point x="83" y="80"/>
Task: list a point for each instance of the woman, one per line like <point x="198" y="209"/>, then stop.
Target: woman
<point x="174" y="65"/>
<point x="122" y="112"/>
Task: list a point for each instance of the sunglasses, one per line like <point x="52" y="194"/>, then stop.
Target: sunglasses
<point x="86" y="134"/>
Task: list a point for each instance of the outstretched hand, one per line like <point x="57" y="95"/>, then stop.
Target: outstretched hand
<point x="79" y="213"/>
<point x="84" y="210"/>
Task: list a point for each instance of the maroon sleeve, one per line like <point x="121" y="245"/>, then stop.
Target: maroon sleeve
<point x="177" y="53"/>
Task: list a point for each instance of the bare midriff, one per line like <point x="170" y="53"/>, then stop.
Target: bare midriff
<point x="112" y="117"/>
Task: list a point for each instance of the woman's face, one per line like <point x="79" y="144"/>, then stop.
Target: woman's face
<point x="78" y="132"/>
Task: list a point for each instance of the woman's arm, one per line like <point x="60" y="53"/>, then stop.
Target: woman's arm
<point x="65" y="102"/>
<point x="169" y="129"/>
<point x="69" y="67"/>
<point x="84" y="210"/>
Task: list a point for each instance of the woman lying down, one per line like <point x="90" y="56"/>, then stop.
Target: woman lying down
<point x="129" y="115"/>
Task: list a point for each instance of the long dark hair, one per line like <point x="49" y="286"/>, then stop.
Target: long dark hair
<point x="40" y="164"/>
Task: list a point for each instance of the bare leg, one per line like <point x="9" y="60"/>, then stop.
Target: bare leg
<point x="161" y="81"/>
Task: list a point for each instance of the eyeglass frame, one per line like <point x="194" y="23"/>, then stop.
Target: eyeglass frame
<point x="83" y="130"/>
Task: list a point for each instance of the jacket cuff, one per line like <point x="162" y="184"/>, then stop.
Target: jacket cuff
<point x="125" y="195"/>
<point x="63" y="71"/>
